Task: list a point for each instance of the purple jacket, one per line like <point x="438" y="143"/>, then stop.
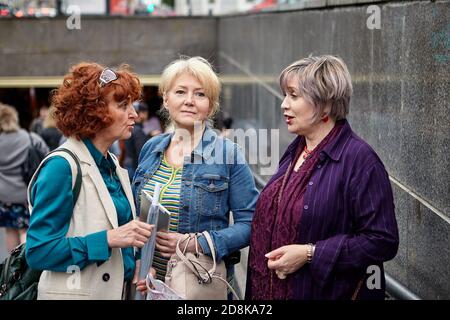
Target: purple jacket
<point x="348" y="213"/>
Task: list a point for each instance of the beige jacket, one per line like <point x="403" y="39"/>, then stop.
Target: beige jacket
<point x="93" y="212"/>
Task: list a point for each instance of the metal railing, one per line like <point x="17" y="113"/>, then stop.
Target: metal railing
<point x="398" y="291"/>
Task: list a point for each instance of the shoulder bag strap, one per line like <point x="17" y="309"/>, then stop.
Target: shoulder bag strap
<point x="212" y="249"/>
<point x="211" y="272"/>
<point x="77" y="186"/>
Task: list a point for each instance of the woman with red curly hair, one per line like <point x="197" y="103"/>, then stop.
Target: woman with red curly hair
<point x="92" y="235"/>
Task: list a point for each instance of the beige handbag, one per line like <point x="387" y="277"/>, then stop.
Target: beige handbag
<point x="196" y="276"/>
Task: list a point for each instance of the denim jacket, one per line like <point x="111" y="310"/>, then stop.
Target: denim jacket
<point x="216" y="180"/>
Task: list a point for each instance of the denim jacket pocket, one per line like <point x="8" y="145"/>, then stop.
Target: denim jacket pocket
<point x="210" y="191"/>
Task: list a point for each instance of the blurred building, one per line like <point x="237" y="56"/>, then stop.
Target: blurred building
<point x="86" y="6"/>
<point x="51" y="8"/>
<point x="213" y="7"/>
<point x="26" y="8"/>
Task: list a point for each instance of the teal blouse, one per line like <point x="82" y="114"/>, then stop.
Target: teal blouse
<point x="48" y="248"/>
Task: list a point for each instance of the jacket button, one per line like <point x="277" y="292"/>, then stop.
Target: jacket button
<point x="106" y="277"/>
<point x="306" y="207"/>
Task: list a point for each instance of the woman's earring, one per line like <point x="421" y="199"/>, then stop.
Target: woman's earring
<point x="325" y="119"/>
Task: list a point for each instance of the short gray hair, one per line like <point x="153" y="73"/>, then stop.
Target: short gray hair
<point x="9" y="119"/>
<point x="322" y="80"/>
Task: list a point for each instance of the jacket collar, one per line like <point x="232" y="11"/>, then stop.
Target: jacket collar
<point x="98" y="157"/>
<point x="87" y="152"/>
<point x="81" y="150"/>
<point x="334" y="149"/>
<point x="203" y="149"/>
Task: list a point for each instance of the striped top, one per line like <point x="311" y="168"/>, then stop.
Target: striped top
<point x="170" y="179"/>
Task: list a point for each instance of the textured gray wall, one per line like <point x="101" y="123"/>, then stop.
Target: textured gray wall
<point x="400" y="106"/>
<point x="45" y="47"/>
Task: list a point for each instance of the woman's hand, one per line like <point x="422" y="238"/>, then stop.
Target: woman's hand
<point x="141" y="285"/>
<point x="133" y="234"/>
<point x="166" y="243"/>
<point x="287" y="259"/>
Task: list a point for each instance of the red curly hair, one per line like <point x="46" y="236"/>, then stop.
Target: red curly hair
<point x="81" y="104"/>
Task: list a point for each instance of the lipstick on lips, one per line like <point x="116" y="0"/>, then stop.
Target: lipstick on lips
<point x="288" y="119"/>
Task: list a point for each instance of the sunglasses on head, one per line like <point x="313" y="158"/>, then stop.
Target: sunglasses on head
<point x="107" y="76"/>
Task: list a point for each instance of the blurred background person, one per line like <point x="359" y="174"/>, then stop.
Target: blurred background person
<point x="14" y="144"/>
<point x="37" y="125"/>
<point x="51" y="135"/>
<point x="138" y="138"/>
<point x="226" y="128"/>
<point x="152" y="124"/>
<point x="115" y="148"/>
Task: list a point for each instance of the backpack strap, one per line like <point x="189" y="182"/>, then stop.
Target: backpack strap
<point x="76" y="183"/>
<point x="77" y="186"/>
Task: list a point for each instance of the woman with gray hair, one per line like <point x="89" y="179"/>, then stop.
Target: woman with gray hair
<point x="14" y="143"/>
<point x="327" y="215"/>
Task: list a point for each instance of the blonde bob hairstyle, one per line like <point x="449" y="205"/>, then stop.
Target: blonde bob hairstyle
<point x="201" y="69"/>
<point x="9" y="119"/>
<point x="322" y="81"/>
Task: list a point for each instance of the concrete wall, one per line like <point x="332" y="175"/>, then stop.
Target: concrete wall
<point x="400" y="106"/>
<point x="46" y="47"/>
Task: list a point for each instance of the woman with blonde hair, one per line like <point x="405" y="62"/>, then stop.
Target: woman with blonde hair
<point x="14" y="144"/>
<point x="203" y="176"/>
